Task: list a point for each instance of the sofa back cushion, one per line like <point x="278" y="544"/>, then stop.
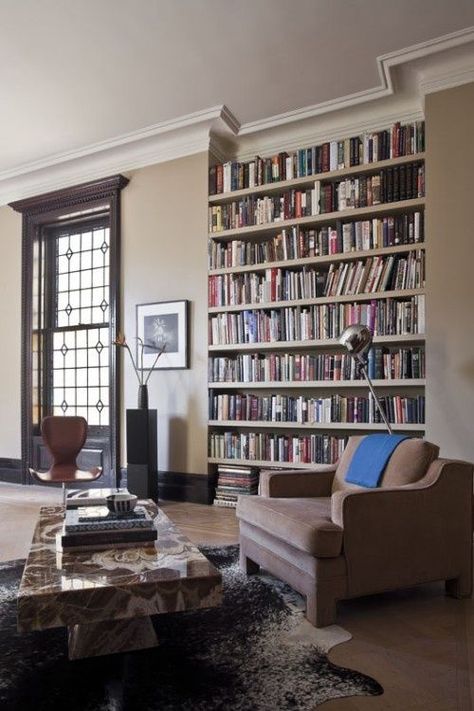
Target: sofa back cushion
<point x="408" y="463"/>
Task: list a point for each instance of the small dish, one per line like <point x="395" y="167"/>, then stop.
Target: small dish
<point x="121" y="503"/>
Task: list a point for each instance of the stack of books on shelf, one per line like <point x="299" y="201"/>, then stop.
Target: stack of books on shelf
<point x="95" y="527"/>
<point x="302" y="243"/>
<point x="247" y="407"/>
<point x="332" y="155"/>
<point x="233" y="482"/>
<point x="383" y="363"/>
<point x="391" y="185"/>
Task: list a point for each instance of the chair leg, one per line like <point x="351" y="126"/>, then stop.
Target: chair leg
<point x="64" y="495"/>
<point x="248" y="566"/>
<point x="320" y="608"/>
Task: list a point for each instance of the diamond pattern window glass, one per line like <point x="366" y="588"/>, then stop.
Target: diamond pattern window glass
<point x="79" y="350"/>
<point x="82" y="278"/>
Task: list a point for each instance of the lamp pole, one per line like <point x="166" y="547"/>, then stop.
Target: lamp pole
<point x="357" y="339"/>
<point x="364" y="372"/>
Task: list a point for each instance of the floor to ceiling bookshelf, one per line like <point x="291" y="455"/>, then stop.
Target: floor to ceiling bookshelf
<point x="273" y="420"/>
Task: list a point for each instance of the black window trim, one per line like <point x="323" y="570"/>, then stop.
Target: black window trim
<point x="66" y="205"/>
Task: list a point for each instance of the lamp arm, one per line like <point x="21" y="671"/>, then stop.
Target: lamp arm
<point x="363" y="370"/>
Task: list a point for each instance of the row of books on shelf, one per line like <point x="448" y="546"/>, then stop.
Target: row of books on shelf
<point x="405" y="182"/>
<point x="300" y="243"/>
<point x="274" y="448"/>
<point x="247" y="407"/>
<point x="95" y="527"/>
<point x="233" y="482"/>
<point x="317" y="322"/>
<point x="382" y="363"/>
<point x="363" y="276"/>
<point x="332" y="155"/>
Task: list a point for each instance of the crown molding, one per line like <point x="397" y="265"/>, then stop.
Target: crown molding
<point x="162" y="142"/>
<point x="398" y="96"/>
<point x="386" y="64"/>
<point x="205" y="117"/>
<point x="447" y="81"/>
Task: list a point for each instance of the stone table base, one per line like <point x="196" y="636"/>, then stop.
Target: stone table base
<point x="111" y="637"/>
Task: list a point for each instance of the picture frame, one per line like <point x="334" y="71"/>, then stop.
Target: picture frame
<point x="164" y="322"/>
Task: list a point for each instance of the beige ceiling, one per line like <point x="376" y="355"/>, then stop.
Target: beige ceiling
<point x="75" y="72"/>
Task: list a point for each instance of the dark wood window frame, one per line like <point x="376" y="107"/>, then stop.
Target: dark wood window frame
<point x="48" y="210"/>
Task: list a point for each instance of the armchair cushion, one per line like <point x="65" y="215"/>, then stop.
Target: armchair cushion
<point x="371" y="457"/>
<point x="303" y="523"/>
<point x="409" y="463"/>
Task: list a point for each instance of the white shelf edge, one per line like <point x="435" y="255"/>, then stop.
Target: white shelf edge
<point x="307" y="345"/>
<point x="318" y="301"/>
<point x="318" y="384"/>
<point x="366" y="426"/>
<point x="324" y="218"/>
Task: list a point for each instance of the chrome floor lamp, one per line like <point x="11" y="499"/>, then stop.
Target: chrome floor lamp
<point x="357" y="339"/>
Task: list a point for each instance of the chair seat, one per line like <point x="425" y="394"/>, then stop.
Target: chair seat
<point x="65" y="473"/>
<point x="303" y="523"/>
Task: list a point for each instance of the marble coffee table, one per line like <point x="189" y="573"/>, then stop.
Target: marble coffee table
<point x="105" y="598"/>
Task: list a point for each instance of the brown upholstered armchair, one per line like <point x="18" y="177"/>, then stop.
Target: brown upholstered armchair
<point x="331" y="540"/>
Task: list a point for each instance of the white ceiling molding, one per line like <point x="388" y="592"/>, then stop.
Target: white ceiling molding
<point x="385" y="65"/>
<point x="405" y="77"/>
<point x="155" y="144"/>
<point x="447" y="81"/>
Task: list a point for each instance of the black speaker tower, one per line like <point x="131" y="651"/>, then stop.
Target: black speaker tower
<point x="142" y="465"/>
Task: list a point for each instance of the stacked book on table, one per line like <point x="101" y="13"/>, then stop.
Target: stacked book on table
<point x="95" y="527"/>
<point x="233" y="482"/>
<point x="90" y="497"/>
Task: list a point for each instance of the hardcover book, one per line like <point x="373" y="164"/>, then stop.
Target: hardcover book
<point x="90" y="497"/>
<point x="99" y="518"/>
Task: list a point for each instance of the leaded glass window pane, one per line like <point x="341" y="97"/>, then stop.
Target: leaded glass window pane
<point x="80" y="325"/>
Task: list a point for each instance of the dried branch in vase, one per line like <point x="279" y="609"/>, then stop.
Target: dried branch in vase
<point x="121" y="342"/>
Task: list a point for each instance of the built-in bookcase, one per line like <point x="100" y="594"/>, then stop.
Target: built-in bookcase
<point x="300" y="246"/>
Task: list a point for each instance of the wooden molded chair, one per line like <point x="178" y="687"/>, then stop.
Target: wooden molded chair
<point x="65" y="437"/>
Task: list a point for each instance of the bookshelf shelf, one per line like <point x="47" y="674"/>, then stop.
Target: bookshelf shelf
<point x="318" y="384"/>
<point x="398" y="294"/>
<point x="328" y="176"/>
<point x="387" y="208"/>
<point x="386" y="179"/>
<point x="309" y="345"/>
<point x="326" y="259"/>
<point x="367" y="426"/>
<point x="265" y="464"/>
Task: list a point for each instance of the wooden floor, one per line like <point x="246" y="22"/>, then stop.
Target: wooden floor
<point x="418" y="644"/>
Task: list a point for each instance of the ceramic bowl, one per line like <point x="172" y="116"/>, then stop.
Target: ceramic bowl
<point x="121" y="503"/>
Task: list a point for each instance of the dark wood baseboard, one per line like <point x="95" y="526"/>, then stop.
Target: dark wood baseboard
<point x="172" y="486"/>
<point x="180" y="486"/>
<point x="11" y="470"/>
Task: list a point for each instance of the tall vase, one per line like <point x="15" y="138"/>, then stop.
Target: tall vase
<point x="143" y="397"/>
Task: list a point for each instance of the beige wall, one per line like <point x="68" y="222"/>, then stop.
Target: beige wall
<point x="10" y="333"/>
<point x="450" y="271"/>
<point x="164" y="258"/>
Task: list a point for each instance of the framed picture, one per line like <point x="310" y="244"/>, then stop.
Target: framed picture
<point x="164" y="324"/>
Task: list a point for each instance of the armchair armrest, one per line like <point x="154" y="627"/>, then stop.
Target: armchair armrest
<point x="402" y="535"/>
<point x="297" y="483"/>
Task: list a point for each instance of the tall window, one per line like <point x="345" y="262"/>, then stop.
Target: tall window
<point x="70" y="315"/>
<point x="77" y="322"/>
